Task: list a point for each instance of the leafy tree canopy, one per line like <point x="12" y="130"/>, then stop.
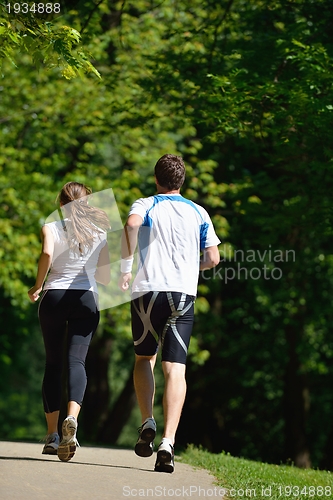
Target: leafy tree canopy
<point x="38" y="30"/>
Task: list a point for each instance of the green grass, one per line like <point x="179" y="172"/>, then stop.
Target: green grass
<point x="247" y="479"/>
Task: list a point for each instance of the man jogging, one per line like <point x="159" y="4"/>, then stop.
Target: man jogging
<point x="170" y="232"/>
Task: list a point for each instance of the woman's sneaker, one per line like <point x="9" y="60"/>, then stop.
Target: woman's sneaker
<point x="165" y="460"/>
<point x="68" y="443"/>
<point x="145" y="444"/>
<point x="51" y="444"/>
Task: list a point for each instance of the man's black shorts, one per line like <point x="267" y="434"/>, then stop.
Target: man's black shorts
<point x="165" y="319"/>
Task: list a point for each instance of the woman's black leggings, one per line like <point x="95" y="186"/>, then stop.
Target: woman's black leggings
<point x="74" y="312"/>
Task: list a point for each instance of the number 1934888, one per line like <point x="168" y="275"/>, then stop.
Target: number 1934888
<point x="36" y="8"/>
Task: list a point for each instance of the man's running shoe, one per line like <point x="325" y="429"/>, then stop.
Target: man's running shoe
<point x="145" y="444"/>
<point x="51" y="444"/>
<point x="68" y="443"/>
<point x="165" y="460"/>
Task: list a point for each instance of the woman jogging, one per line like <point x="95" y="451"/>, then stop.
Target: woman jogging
<point x="74" y="250"/>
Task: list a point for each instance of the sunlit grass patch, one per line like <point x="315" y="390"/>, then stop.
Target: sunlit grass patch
<point x="248" y="479"/>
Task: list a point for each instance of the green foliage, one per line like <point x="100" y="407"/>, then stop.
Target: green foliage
<point x="243" y="91"/>
<point x="49" y="44"/>
<point x="21" y="365"/>
<point x="242" y="478"/>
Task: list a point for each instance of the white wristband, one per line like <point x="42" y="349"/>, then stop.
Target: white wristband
<point x="126" y="265"/>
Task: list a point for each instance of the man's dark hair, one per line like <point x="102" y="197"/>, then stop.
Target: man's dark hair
<point x="170" y="171"/>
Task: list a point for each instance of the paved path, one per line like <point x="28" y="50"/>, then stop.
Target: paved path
<point x="94" y="474"/>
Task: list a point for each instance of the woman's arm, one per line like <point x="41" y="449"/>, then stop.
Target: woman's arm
<point x="103" y="270"/>
<point x="44" y="263"/>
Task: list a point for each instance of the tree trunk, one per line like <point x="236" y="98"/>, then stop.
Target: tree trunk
<point x="296" y="405"/>
<point x="97" y="397"/>
<point x="327" y="461"/>
<point x="120" y="413"/>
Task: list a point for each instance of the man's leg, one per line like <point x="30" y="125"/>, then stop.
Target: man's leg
<point x="145" y="340"/>
<point x="173" y="397"/>
<point x="175" y="342"/>
<point x="144" y="384"/>
<point x="173" y="401"/>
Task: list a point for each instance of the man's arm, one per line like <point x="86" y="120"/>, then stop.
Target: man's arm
<point x="130" y="236"/>
<point x="210" y="258"/>
<point x="129" y="241"/>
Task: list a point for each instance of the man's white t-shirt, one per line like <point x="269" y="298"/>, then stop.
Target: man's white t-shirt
<point x="173" y="232"/>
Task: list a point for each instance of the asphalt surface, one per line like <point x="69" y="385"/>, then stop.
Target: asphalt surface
<point x="95" y="474"/>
